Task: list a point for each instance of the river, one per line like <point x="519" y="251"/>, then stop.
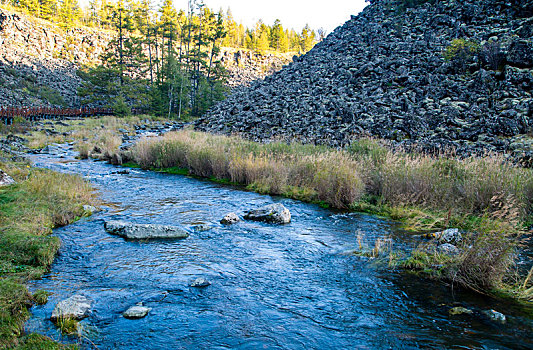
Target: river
<point x="273" y="287"/>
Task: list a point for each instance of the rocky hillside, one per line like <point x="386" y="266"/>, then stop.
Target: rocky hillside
<point x="38" y="61"/>
<point x="451" y="73"/>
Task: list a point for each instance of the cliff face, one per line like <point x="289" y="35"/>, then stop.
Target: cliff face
<point x="452" y="73"/>
<point x="38" y="61"/>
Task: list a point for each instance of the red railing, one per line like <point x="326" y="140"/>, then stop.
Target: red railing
<point x="8" y="115"/>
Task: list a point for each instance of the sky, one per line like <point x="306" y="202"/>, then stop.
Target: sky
<point x="295" y="14"/>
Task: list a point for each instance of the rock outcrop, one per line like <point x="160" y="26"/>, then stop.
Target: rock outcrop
<point x="144" y="231"/>
<point x="441" y="74"/>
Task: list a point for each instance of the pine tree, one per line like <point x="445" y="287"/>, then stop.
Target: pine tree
<point x="69" y="13"/>
<point x="31" y="5"/>
<point x="307" y="38"/>
<point x="48" y="9"/>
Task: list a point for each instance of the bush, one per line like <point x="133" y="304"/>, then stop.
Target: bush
<point x="461" y="53"/>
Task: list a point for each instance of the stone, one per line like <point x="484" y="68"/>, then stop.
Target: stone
<point x="459" y="310"/>
<point x="495" y="316"/>
<point x="76" y="307"/>
<point x="272" y="213"/>
<point x="230" y="218"/>
<point x="144" y="231"/>
<point x="451" y="235"/>
<point x="136" y="311"/>
<point x="200" y="282"/>
<point x="5" y="179"/>
<point x="448" y="249"/>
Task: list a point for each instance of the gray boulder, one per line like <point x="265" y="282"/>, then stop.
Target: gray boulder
<point x="272" y="213"/>
<point x="5" y="179"/>
<point x="137" y="311"/>
<point x="448" y="249"/>
<point x="76" y="307"/>
<point x="144" y="231"/>
<point x="229" y="219"/>
<point x="451" y="235"/>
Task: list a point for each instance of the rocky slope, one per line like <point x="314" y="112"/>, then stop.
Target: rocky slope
<point x="384" y="73"/>
<point x="38" y="61"/>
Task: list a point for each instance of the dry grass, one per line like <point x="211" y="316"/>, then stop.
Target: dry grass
<point x="327" y="176"/>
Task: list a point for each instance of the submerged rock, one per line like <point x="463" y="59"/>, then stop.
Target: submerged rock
<point x="137" y="311"/>
<point x="144" y="231"/>
<point x="229" y="219"/>
<point x="495" y="316"/>
<point x="5" y="179"/>
<point x="459" y="310"/>
<point x="272" y="213"/>
<point x="76" y="307"/>
<point x="200" y="282"/>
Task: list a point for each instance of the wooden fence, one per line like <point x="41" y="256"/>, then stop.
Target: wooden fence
<point x="9" y="114"/>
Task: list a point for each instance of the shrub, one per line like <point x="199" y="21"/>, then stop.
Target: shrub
<point x="460" y="53"/>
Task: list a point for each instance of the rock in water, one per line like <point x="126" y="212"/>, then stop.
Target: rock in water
<point x="144" y="231"/>
<point x="495" y="316"/>
<point x="5" y="179"/>
<point x="272" y="213"/>
<point x="229" y="219"/>
<point x="137" y="311"/>
<point x="75" y="307"/>
<point x="459" y="310"/>
<point x="200" y="282"/>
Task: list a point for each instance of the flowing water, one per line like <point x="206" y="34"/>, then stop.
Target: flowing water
<point x="273" y="287"/>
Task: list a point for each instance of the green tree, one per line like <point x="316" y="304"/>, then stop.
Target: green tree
<point x="307" y="39"/>
<point x="68" y="13"/>
<point x="31" y="5"/>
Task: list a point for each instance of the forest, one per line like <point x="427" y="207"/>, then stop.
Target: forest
<point x="163" y="59"/>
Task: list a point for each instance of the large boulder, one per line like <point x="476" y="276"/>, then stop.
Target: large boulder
<point x="76" y="307"/>
<point x="5" y="179"/>
<point x="272" y="213"/>
<point x="144" y="231"/>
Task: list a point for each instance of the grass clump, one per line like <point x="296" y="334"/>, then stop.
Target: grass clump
<point x="67" y="325"/>
<point x="41" y="200"/>
<point x="41" y="296"/>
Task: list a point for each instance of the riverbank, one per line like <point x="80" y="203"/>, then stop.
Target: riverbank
<point x="39" y="201"/>
<point x="488" y="198"/>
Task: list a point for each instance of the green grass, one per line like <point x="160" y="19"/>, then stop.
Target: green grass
<point x="29" y="210"/>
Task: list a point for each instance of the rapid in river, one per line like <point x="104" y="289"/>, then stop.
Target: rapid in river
<point x="288" y="286"/>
